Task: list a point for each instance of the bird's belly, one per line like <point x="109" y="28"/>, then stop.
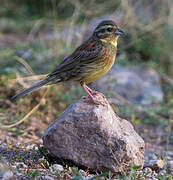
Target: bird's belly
<point x="94" y="76"/>
<point x="97" y="73"/>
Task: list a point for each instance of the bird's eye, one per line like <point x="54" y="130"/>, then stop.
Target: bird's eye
<point x="109" y="29"/>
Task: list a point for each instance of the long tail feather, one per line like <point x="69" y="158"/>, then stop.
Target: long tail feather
<point x="32" y="88"/>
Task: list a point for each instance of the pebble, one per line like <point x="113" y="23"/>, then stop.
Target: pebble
<point x="82" y="172"/>
<point x="21" y="165"/>
<point x="58" y="167"/>
<point x="48" y="177"/>
<point x="7" y="175"/>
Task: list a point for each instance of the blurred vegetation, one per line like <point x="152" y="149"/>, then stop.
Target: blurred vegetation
<point x="29" y="30"/>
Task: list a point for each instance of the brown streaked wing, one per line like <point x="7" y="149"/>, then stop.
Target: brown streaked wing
<point x="85" y="53"/>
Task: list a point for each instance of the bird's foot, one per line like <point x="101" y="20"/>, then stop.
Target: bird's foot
<point x="98" y="93"/>
<point x="96" y="101"/>
<point x="91" y="94"/>
<point x="95" y="92"/>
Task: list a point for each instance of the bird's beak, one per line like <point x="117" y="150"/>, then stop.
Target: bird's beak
<point x="119" y="31"/>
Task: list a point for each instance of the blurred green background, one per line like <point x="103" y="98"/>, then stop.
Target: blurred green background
<point x="35" y="35"/>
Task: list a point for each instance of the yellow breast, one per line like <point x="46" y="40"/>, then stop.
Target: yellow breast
<point x="99" y="72"/>
<point x="105" y="63"/>
<point x="112" y="41"/>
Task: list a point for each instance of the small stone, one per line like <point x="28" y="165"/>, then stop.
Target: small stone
<point x="21" y="165"/>
<point x="82" y="172"/>
<point x="155" y="164"/>
<point x="58" y="167"/>
<point x="47" y="177"/>
<point x="5" y="172"/>
<point x="160" y="163"/>
<point x="7" y="175"/>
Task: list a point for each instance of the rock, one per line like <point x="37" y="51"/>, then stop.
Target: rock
<point x="7" y="175"/>
<point x="47" y="177"/>
<point x="155" y="164"/>
<point x="5" y="172"/>
<point x="21" y="165"/>
<point x="136" y="84"/>
<point x="58" y="167"/>
<point x="82" y="172"/>
<point x="93" y="136"/>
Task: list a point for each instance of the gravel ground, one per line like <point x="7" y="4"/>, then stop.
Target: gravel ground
<point x="33" y="162"/>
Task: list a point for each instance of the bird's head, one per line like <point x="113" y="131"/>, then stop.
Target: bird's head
<point x="108" y="31"/>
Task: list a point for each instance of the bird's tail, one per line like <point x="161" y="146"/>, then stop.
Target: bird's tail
<point x="32" y="88"/>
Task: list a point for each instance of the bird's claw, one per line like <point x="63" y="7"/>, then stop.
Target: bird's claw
<point x="96" y="101"/>
<point x="99" y="93"/>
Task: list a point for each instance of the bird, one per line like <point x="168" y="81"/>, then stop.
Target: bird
<point x="91" y="60"/>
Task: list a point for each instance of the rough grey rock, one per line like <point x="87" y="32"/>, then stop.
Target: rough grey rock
<point x="136" y="84"/>
<point x="95" y="137"/>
